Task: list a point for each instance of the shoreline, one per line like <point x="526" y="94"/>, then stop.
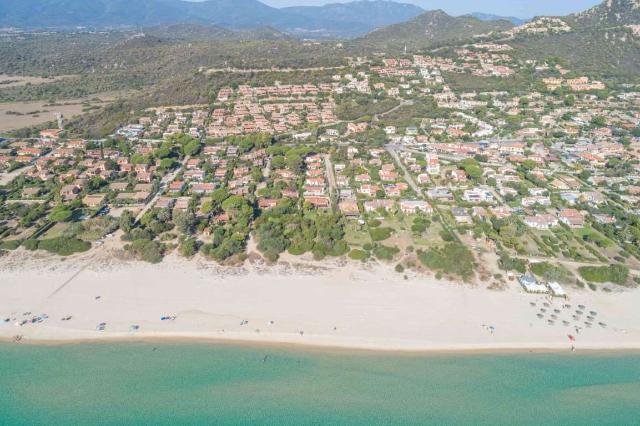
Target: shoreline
<point x="328" y="347"/>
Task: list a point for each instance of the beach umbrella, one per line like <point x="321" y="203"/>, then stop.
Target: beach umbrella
<point x="571" y="338"/>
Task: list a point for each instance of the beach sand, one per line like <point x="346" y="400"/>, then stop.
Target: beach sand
<point x="342" y="306"/>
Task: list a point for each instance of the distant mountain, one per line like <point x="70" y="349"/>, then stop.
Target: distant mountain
<point x="489" y="17"/>
<point x="333" y="20"/>
<point x="121" y="13"/>
<point x="429" y="29"/>
<point x="609" y="13"/>
<point x="355" y="18"/>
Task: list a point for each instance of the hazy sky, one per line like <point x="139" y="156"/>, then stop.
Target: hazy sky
<point x="518" y="8"/>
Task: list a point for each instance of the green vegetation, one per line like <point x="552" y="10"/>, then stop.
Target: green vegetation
<point x="552" y="272"/>
<point x="61" y="246"/>
<point x="385" y="252"/>
<point x="512" y="264"/>
<point x="284" y="228"/>
<point x="380" y="234"/>
<point x="453" y="258"/>
<point x="617" y="274"/>
<point x="357" y="254"/>
<point x="353" y="107"/>
<point x="147" y="250"/>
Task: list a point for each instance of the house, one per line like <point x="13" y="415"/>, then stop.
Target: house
<point x="604" y="219"/>
<point x="143" y="187"/>
<point x="458" y="176"/>
<point x="119" y="186"/>
<point x="267" y="203"/>
<point x="94" y="200"/>
<point x="461" y="215"/>
<point x="201" y="188"/>
<point x="532" y="201"/>
<point x="479" y="212"/>
<point x="423" y="179"/>
<point x="415" y="206"/>
<point x="572" y="218"/>
<point x="165" y="203"/>
<point x="541" y="222"/>
<point x="318" y="201"/>
<point x="569" y="197"/>
<point x="478" y="195"/>
<point x="176" y="186"/>
<point x="363" y="178"/>
<point x="349" y="207"/>
<point x="440" y="193"/>
<point x="433" y="165"/>
<point x="500" y="212"/>
<point x="374" y="205"/>
<point x="31" y="192"/>
<point x="369" y="190"/>
<point x="182" y="203"/>
<point x="388" y="175"/>
<point x="51" y="134"/>
<point x="69" y="192"/>
<point x="132" y="197"/>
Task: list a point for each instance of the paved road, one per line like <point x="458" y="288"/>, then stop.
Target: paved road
<point x="407" y="176"/>
<point x="330" y="175"/>
<point x="165" y="180"/>
<point x="257" y="70"/>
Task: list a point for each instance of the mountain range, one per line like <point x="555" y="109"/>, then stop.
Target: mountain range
<point x="331" y="20"/>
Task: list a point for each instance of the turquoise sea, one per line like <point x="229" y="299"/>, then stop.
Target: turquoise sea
<point x="197" y="384"/>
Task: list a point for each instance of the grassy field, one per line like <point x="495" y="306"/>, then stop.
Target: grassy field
<point x="356" y="235"/>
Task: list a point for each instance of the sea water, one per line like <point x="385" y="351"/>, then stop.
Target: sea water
<point x="197" y="384"/>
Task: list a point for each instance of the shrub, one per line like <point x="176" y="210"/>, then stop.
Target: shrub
<point x="453" y="258"/>
<point x="617" y="274"/>
<point x="385" y="252"/>
<point x="64" y="246"/>
<point x="147" y="251"/>
<point x="31" y="245"/>
<point x="189" y="247"/>
<point x="297" y="250"/>
<point x="512" y="264"/>
<point x="358" y="254"/>
<point x="374" y="223"/>
<point x="551" y="272"/>
<point x="10" y="245"/>
<point x="339" y="248"/>
<point x="446" y="236"/>
<point x="380" y="234"/>
<point x="60" y="214"/>
<point x="399" y="268"/>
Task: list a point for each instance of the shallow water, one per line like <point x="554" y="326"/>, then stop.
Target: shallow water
<point x="127" y="384"/>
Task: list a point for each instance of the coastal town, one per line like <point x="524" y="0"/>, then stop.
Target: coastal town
<point x="319" y="212"/>
<point x="545" y="185"/>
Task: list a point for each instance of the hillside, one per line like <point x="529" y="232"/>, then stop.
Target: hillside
<point x="598" y="41"/>
<point x="610" y="53"/>
<point x="429" y="29"/>
<point x="609" y="13"/>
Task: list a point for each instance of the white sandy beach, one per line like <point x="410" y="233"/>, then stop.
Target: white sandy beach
<point x="343" y="306"/>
